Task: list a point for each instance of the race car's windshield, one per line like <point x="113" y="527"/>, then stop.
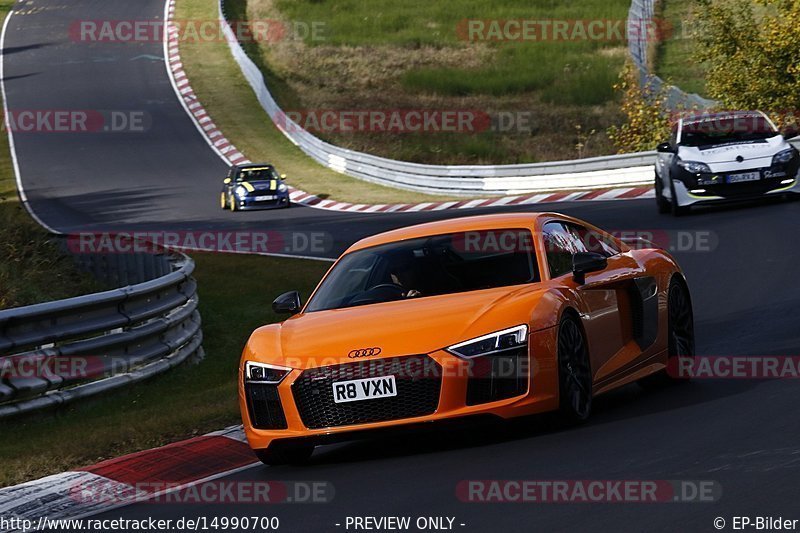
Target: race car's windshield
<point x="257" y="174"/>
<point x="429" y="266"/>
<point x="724" y="129"/>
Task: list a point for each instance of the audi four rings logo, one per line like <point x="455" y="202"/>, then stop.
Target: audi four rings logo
<point x="364" y="352"/>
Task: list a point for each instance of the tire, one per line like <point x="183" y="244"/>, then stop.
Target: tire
<point x="662" y="203"/>
<point x="574" y="372"/>
<point x="223" y="201"/>
<point x="677" y="210"/>
<point x="285" y="455"/>
<point x="232" y="203"/>
<point x="680" y="334"/>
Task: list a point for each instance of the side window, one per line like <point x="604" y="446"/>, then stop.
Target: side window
<point x="562" y="239"/>
<point x="559" y="247"/>
<point x="592" y="241"/>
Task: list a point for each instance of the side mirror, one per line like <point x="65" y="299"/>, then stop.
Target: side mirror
<point x="583" y="262"/>
<point x="288" y="302"/>
<point x="226" y="181"/>
<point x="791" y="131"/>
<point x="283" y="176"/>
<point x="665" y="148"/>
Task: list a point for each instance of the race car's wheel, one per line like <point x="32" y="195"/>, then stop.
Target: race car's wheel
<point x="661" y="202"/>
<point x="680" y="334"/>
<point x="285" y="455"/>
<point x="232" y="203"/>
<point x="574" y="372"/>
<point x="680" y="321"/>
<point x="223" y="202"/>
<point x="677" y="209"/>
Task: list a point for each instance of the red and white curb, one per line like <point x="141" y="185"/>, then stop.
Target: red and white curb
<point x="231" y="155"/>
<point x="132" y="478"/>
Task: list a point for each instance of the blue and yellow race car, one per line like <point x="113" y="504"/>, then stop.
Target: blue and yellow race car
<point x="253" y="186"/>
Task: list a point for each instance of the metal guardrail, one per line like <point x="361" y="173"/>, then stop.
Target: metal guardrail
<point x="56" y="352"/>
<point x="468" y="180"/>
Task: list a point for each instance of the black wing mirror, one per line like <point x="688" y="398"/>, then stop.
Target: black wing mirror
<point x="288" y="302"/>
<point x="665" y="148"/>
<point x="583" y="262"/>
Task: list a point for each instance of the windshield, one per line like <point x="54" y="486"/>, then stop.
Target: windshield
<point x="429" y="266"/>
<point x="725" y="129"/>
<point x="257" y="174"/>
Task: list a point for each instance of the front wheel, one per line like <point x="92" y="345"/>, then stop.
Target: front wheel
<point x="232" y="203"/>
<point x="574" y="372"/>
<point x="661" y="202"/>
<point x="223" y="201"/>
<point x="677" y="209"/>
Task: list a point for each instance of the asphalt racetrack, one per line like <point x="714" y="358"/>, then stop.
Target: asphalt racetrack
<point x="741" y="265"/>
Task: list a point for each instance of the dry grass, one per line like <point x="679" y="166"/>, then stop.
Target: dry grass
<point x="386" y="74"/>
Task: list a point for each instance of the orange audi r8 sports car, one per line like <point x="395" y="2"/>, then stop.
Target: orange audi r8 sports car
<point x="502" y="315"/>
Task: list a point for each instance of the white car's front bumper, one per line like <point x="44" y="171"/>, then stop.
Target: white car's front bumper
<point x="685" y="197"/>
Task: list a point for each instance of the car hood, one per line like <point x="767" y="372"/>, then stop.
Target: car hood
<point x="403" y="327"/>
<point x="726" y="153"/>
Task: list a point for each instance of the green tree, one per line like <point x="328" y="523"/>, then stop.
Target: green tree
<point x="750" y="49"/>
<point x="647" y="119"/>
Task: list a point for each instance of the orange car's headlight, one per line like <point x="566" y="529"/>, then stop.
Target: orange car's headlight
<point x="497" y="342"/>
<point x="264" y="373"/>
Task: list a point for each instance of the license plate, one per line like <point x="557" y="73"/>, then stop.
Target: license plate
<point x="356" y="390"/>
<point x="745" y="176"/>
<point x="265" y="198"/>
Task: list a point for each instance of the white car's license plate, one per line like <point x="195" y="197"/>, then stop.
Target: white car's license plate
<point x="265" y="198"/>
<point x="364" y="389"/>
<point x="744" y="176"/>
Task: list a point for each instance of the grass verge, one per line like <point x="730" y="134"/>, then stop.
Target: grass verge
<point x="384" y="55"/>
<point x="226" y="95"/>
<point x="674" y="56"/>
<point x="189" y="400"/>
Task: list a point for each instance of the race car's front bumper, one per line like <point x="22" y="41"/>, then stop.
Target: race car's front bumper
<point x="693" y="189"/>
<point x="301" y="407"/>
<point x="249" y="202"/>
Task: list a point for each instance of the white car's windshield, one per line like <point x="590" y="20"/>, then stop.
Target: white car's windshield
<point x="726" y="129"/>
<point x="429" y="266"/>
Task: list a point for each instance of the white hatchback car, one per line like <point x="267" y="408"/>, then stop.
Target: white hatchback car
<point x="728" y="156"/>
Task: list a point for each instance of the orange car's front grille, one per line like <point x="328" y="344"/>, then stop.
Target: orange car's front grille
<point x="418" y="379"/>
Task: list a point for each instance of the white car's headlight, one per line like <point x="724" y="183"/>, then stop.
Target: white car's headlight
<point x="264" y="373"/>
<point x="282" y="187"/>
<point x="784" y="156"/>
<point x="695" y="167"/>
<point x="240" y="191"/>
<point x="499" y="341"/>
